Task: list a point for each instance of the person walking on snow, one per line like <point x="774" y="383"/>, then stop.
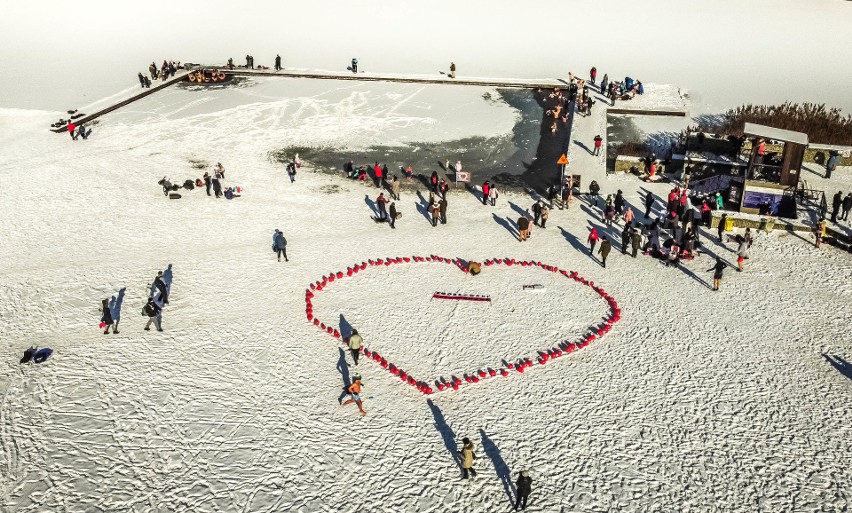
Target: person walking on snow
<point x="598" y="143"/>
<point x="592" y="240"/>
<point x="604" y="250"/>
<point x="106" y="318"/>
<point x="493" y="194"/>
<point x="443" y="209"/>
<point x="486" y="189"/>
<point x="355" y="341"/>
<point x="717" y="272"/>
<point x="279" y="245"/>
<point x="355" y="395"/>
<point x="545" y="213"/>
<point x="392" y="215"/>
<point x="467" y="456"/>
<point x="625" y="237"/>
<point x="523" y="487"/>
<point x="628" y="217"/>
<point x="154" y="314"/>
<point x="380" y="204"/>
<point x="536" y="210"/>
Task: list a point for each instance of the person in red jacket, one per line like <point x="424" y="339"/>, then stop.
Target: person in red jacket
<point x="598" y="142"/>
<point x="71" y="128"/>
<point x="705" y="214"/>
<point x="377" y="172"/>
<point x="593" y="74"/>
<point x="486" y="188"/>
<point x="593" y="239"/>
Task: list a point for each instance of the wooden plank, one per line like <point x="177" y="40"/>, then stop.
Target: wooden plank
<point x="180" y="76"/>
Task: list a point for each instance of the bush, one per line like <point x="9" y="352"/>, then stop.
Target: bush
<point x="823" y="125"/>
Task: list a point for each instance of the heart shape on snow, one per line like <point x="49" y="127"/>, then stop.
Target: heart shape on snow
<point x="471" y="308"/>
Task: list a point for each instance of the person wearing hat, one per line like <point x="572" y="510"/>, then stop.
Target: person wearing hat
<point x="154" y="313"/>
<point x="467" y="457"/>
<point x="524" y="486"/>
<point x="355" y="395"/>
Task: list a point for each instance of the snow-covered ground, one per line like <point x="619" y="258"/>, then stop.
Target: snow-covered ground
<point x="695" y="401"/>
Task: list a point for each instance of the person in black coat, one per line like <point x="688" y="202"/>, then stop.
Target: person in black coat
<point x="625" y="237"/>
<point x="154" y="315"/>
<point x="619" y="202"/>
<point x="835" y="205"/>
<point x="717" y="272"/>
<point x="161" y="288"/>
<point x="536" y="210"/>
<point x="524" y="486"/>
<point x="649" y="203"/>
<point x="721" y="226"/>
<point x="207" y="182"/>
<point x="392" y="216"/>
<point x="106" y="317"/>
<point x="277" y="63"/>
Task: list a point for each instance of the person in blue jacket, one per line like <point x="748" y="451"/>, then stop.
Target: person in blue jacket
<point x="279" y="245"/>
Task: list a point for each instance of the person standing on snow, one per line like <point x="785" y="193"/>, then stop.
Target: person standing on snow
<point x="706" y="214"/>
<point x="378" y="176"/>
<point x="355" y="395"/>
<point x="721" y="227"/>
<point x="598" y="143"/>
<point x="545" y="213"/>
<point x="819" y="231"/>
<point x="277" y="63"/>
<point x="847" y="206"/>
<point x="443" y="209"/>
<point x="354" y="65"/>
<point x="467" y="457"/>
<point x="523" y="228"/>
<point x="594" y="189"/>
<point x="592" y="240"/>
<point x="523" y="487"/>
<point x="291" y="171"/>
<point x="142" y="80"/>
<point x="154" y="314"/>
<point x="625" y="237"/>
<point x="628" y="217"/>
<point x="380" y="203"/>
<point x="619" y="202"/>
<point x="836" y="201"/>
<point x="717" y="272"/>
<point x="395" y="188"/>
<point x="635" y="241"/>
<point x="493" y="194"/>
<point x="536" y="210"/>
<point x="279" y="245"/>
<point x="604" y="250"/>
<point x="355" y="341"/>
<point x="742" y="253"/>
<point x="433" y="182"/>
<point x="593" y="74"/>
<point x="106" y="317"/>
<point x="392" y="215"/>
<point x="207" y="182"/>
<point x="436" y="212"/>
<point x="486" y="188"/>
<point x="452" y="70"/>
<point x="443" y="187"/>
<point x="649" y="203"/>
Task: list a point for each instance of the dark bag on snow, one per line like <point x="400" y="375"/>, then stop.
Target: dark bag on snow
<point x="28" y="355"/>
<point x="174" y="195"/>
<point x="42" y="355"/>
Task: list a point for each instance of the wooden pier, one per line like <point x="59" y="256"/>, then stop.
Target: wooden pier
<point x="155" y="86"/>
<point x="659" y="100"/>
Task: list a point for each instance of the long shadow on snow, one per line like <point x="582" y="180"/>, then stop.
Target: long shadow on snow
<point x="446" y="431"/>
<point x="493" y="452"/>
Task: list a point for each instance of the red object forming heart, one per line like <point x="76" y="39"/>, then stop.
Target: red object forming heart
<point x="445" y="384"/>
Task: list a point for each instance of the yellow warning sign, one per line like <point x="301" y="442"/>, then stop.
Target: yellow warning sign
<point x="562" y="160"/>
